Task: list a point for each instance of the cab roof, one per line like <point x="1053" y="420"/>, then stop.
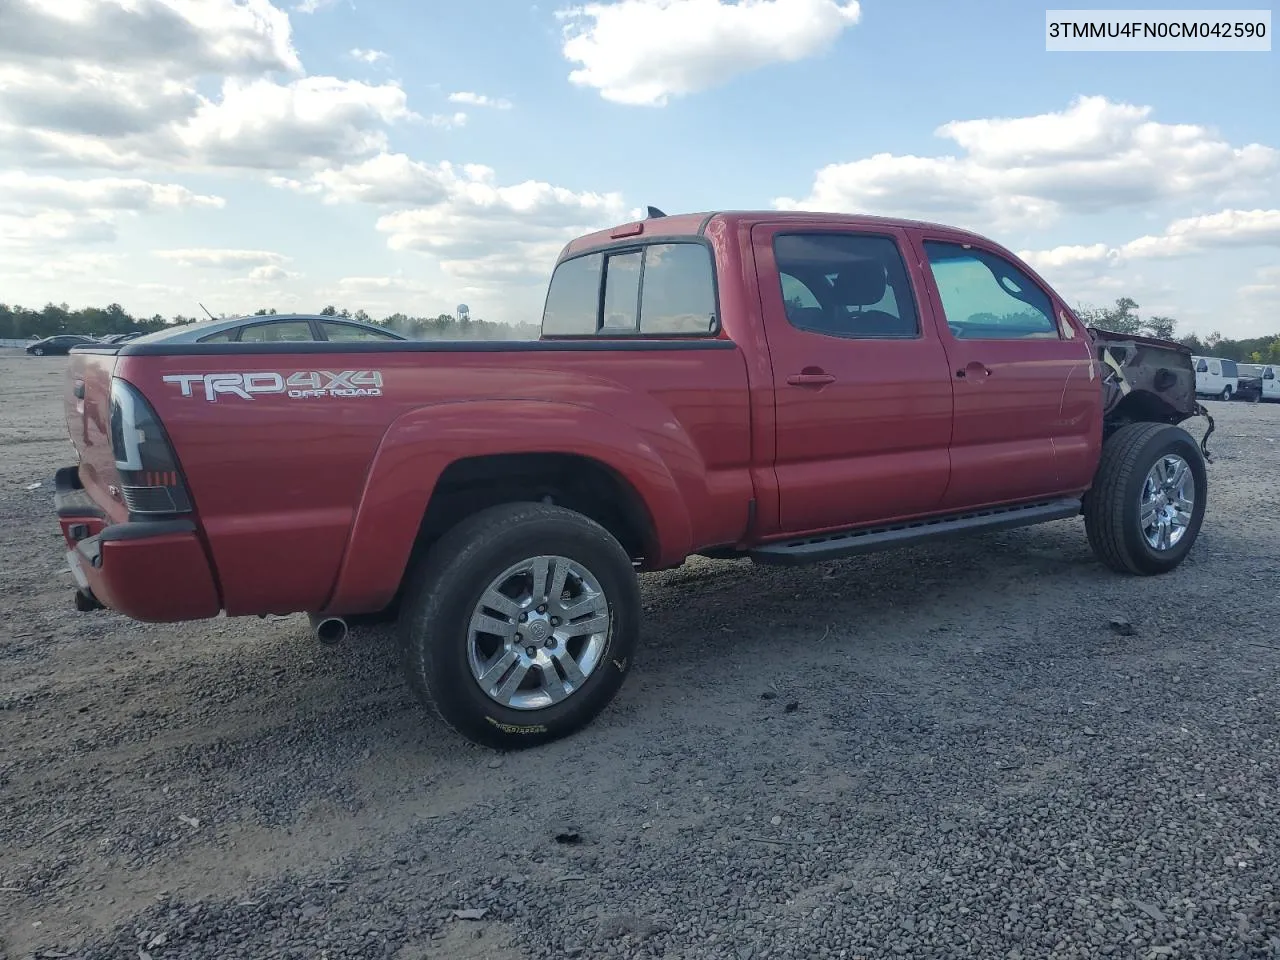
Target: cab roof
<point x="696" y="224"/>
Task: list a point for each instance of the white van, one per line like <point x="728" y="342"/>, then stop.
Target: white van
<point x="1270" y="381"/>
<point x="1216" y="377"/>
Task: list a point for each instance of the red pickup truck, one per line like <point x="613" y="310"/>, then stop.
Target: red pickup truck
<point x="788" y="387"/>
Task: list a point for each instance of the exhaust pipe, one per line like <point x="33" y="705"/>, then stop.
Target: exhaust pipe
<point x="326" y="629"/>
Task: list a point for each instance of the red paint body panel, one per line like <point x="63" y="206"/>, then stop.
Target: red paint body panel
<point x="314" y="503"/>
<point x="156" y="579"/>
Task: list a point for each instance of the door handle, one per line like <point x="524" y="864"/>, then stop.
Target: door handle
<point x="974" y="371"/>
<point x="810" y="378"/>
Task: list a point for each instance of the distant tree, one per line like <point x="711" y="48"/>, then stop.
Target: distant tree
<point x="1161" y="327"/>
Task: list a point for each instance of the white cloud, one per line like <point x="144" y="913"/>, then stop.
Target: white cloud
<point x="182" y="37"/>
<point x="133" y="84"/>
<point x="479" y="100"/>
<point x="311" y="6"/>
<point x="271" y="273"/>
<point x="1093" y="157"/>
<point x="477" y="227"/>
<point x="218" y="259"/>
<point x="1228" y="228"/>
<point x="19" y="189"/>
<point x="38" y="210"/>
<point x="1068" y="256"/>
<point x="389" y="178"/>
<point x="269" y="126"/>
<point x="447" y="121"/>
<point x="368" y="56"/>
<point x="646" y="51"/>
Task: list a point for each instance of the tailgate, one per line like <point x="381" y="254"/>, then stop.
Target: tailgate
<point x="88" y="409"/>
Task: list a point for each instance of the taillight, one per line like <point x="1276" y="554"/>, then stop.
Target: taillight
<point x="150" y="479"/>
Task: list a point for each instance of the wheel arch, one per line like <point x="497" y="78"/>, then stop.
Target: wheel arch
<point x="438" y="465"/>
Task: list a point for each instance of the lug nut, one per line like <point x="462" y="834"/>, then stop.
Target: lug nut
<point x="555" y="621"/>
<point x="543" y="608"/>
<point x="524" y="617"/>
<point x="532" y="652"/>
<point x="551" y="643"/>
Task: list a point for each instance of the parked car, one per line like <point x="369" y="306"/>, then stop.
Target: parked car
<point x="276" y="328"/>
<point x="1271" y="382"/>
<point x="1249" y="382"/>
<point x="59" y="345"/>
<point x="784" y="387"/>
<point x="1216" y="377"/>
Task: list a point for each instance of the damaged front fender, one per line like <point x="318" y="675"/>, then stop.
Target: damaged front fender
<point x="1147" y="379"/>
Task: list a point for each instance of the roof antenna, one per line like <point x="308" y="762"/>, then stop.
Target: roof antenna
<point x="654" y="212"/>
<point x="206" y="310"/>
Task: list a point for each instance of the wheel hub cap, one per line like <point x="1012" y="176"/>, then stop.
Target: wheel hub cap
<point x="1168" y="500"/>
<point x="538" y="631"/>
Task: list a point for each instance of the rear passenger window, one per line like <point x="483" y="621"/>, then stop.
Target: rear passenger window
<point x="845" y="285"/>
<point x="660" y="289"/>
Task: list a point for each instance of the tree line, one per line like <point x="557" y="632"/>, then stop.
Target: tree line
<point x="1123" y="317"/>
<point x="23" y="323"/>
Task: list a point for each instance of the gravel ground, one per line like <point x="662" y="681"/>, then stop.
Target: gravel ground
<point x="943" y="752"/>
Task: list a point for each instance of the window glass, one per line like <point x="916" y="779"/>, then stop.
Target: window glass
<point x="1202" y="367"/>
<point x="224" y="337"/>
<point x="1269" y="375"/>
<point x="679" y="295"/>
<point x="348" y="331"/>
<point x="986" y="297"/>
<point x="621" y="290"/>
<point x="280" y="331"/>
<point x="845" y="285"/>
<point x="795" y="294"/>
<point x="573" y="298"/>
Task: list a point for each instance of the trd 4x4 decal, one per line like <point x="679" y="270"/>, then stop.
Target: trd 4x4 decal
<point x="299" y="385"/>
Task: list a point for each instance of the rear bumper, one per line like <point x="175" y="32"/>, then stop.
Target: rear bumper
<point x="154" y="570"/>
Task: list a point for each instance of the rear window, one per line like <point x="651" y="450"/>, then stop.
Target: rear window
<point x="660" y="289"/>
<point x="349" y="331"/>
<point x="279" y="331"/>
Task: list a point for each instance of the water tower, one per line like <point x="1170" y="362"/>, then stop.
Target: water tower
<point x="464" y="312"/>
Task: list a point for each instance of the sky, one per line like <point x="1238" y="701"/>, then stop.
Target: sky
<point x="413" y="155"/>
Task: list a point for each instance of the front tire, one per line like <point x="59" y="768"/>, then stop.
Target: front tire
<point x="1147" y="502"/>
<point x="521" y="624"/>
<point x="38" y="352"/>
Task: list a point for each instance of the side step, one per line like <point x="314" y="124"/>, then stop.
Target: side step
<point x="831" y="546"/>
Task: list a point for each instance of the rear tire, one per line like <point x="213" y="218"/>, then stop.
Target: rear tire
<point x="1127" y="506"/>
<point x="1226" y="393"/>
<point x="38" y="352"/>
<point x="457" y="668"/>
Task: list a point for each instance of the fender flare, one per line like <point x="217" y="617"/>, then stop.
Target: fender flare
<point x="422" y="443"/>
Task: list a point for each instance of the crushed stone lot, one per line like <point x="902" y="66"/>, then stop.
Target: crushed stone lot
<point x="949" y="751"/>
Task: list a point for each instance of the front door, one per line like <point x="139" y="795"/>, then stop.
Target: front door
<point x="1271" y="383"/>
<point x="861" y="384"/>
<point x="1027" y="402"/>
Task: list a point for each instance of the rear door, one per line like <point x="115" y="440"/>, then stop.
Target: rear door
<point x="1028" y="418"/>
<point x="1271" y="383"/>
<point x="861" y="385"/>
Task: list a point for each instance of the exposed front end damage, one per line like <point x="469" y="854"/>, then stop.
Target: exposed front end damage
<point x="1147" y="379"/>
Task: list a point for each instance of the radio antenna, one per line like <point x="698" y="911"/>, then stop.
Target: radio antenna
<point x="206" y="310"/>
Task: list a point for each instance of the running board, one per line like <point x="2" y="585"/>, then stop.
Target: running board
<point x="832" y="546"/>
